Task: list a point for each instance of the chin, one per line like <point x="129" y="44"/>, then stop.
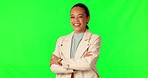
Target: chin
<point x="77" y="29"/>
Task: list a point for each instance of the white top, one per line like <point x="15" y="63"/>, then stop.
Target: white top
<point x="76" y="39"/>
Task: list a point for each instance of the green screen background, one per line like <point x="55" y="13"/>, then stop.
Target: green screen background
<point x="29" y="30"/>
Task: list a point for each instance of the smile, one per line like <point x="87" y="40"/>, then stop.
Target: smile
<point x="77" y="24"/>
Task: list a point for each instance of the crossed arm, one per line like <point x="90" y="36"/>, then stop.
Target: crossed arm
<point x="58" y="65"/>
<point x="57" y="61"/>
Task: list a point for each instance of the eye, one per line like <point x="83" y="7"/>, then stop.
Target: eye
<point x="72" y="17"/>
<point x="80" y="16"/>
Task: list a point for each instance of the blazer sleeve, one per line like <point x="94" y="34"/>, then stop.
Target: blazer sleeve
<point x="58" y="68"/>
<point x="84" y="63"/>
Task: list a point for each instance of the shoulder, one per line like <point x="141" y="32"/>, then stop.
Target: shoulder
<point x="92" y="35"/>
<point x="61" y="38"/>
<point x="95" y="38"/>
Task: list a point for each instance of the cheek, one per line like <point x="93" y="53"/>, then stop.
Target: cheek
<point x="83" y="21"/>
<point x="71" y="21"/>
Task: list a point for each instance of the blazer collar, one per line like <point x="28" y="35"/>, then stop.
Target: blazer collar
<point x="83" y="45"/>
<point x="86" y="36"/>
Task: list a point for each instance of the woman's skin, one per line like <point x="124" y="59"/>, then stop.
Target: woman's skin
<point x="78" y="21"/>
<point x="54" y="60"/>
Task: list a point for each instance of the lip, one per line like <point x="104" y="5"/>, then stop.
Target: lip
<point x="76" y="24"/>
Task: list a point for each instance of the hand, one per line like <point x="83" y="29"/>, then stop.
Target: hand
<point x="54" y="60"/>
<point x="88" y="54"/>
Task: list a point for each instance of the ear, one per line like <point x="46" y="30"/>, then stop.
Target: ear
<point x="88" y="18"/>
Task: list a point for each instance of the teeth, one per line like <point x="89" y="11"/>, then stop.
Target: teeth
<point x="76" y="24"/>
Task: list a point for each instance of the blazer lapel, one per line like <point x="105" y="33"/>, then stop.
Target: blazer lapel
<point x="84" y="44"/>
<point x="66" y="45"/>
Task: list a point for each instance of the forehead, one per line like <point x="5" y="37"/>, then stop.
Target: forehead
<point x="77" y="10"/>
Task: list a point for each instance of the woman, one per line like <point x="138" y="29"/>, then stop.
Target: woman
<point x="76" y="54"/>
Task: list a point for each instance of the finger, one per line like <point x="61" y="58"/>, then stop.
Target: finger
<point x="55" y="56"/>
<point x="54" y="59"/>
<point x="53" y="63"/>
<point x="90" y="52"/>
<point x="89" y="55"/>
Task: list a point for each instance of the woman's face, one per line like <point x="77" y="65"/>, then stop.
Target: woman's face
<point x="78" y="19"/>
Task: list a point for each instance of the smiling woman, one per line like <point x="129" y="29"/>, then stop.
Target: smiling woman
<point x="79" y="17"/>
<point x="76" y="54"/>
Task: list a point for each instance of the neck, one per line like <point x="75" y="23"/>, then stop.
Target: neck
<point x="78" y="32"/>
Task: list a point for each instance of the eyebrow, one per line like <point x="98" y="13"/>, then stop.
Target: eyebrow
<point x="78" y="14"/>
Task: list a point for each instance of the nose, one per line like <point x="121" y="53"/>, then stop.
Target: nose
<point x="76" y="19"/>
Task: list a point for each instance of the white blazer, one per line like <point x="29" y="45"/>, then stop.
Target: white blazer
<point x="85" y="66"/>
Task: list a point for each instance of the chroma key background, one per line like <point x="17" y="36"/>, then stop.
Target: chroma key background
<point x="29" y="30"/>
